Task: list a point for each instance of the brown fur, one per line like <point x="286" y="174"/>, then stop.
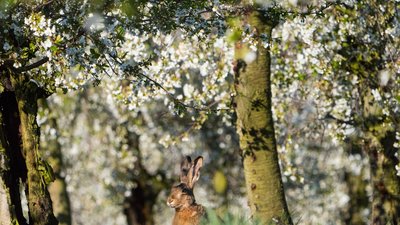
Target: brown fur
<point x="188" y="216"/>
<point x="187" y="211"/>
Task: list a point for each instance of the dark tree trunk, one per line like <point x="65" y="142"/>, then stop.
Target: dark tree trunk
<point x="138" y="207"/>
<point x="15" y="172"/>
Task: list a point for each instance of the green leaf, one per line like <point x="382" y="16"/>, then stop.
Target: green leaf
<point x="32" y="47"/>
<point x="234" y="36"/>
<point x="94" y="53"/>
<point x="53" y="48"/>
<point x="58" y="40"/>
<point x="398" y="98"/>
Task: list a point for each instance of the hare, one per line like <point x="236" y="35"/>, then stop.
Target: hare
<point x="187" y="211"/>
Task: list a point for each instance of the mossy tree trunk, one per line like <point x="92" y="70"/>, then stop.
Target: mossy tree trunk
<point x="60" y="198"/>
<point x="378" y="131"/>
<point x="378" y="143"/>
<point x="39" y="202"/>
<point x="255" y="126"/>
<point x="385" y="186"/>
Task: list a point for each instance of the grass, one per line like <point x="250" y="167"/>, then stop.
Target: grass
<point x="226" y="218"/>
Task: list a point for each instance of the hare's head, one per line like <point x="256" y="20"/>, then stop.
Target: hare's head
<point x="182" y="194"/>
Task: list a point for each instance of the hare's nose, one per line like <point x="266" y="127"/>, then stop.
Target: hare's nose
<point x="169" y="201"/>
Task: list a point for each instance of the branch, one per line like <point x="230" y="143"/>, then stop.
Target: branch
<point x="180" y="103"/>
<point x="281" y="12"/>
<point x="329" y="116"/>
<point x="311" y="11"/>
<point x="44" y="4"/>
<point x="32" y="66"/>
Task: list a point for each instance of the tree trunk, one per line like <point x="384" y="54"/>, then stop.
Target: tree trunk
<point x="385" y="184"/>
<point x="357" y="189"/>
<point x="39" y="202"/>
<point x="13" y="165"/>
<point x="255" y="127"/>
<point x="58" y="188"/>
<point x="367" y="59"/>
<point x="378" y="144"/>
<point x="138" y="207"/>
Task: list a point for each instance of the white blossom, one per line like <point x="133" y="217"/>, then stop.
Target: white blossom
<point x="377" y="95"/>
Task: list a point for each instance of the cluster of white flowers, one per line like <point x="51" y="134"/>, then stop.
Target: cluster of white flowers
<point x="187" y="69"/>
<point x="40" y="25"/>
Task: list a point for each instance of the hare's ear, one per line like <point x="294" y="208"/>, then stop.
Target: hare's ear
<point x="185" y="167"/>
<point x="194" y="172"/>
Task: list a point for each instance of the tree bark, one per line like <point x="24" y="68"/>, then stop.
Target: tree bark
<point x="385" y="184"/>
<point x="39" y="202"/>
<point x="255" y="127"/>
<point x="378" y="144"/>
<point x="366" y="59"/>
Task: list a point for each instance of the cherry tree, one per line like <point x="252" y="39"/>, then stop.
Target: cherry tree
<point x="50" y="46"/>
<point x="333" y="53"/>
